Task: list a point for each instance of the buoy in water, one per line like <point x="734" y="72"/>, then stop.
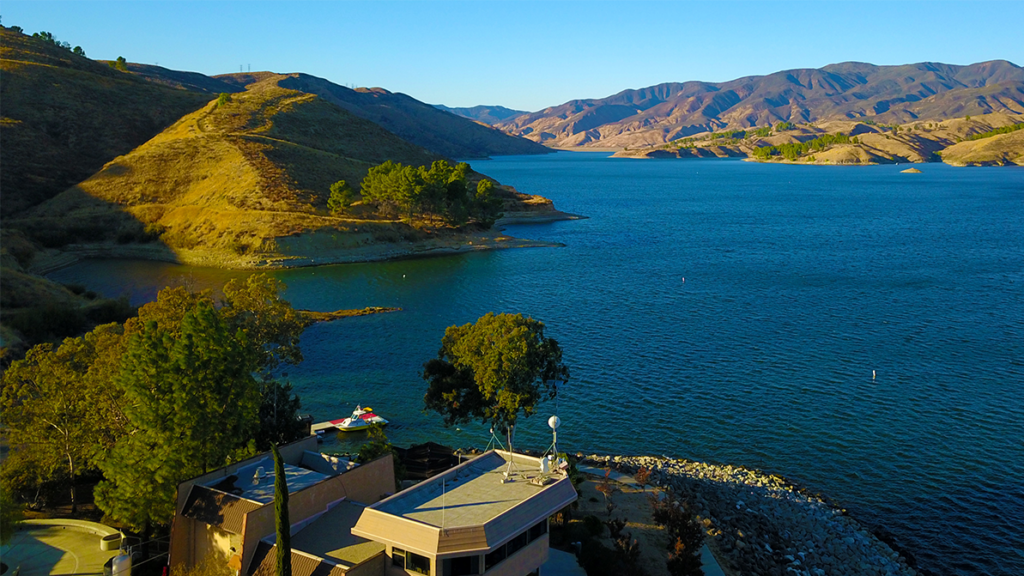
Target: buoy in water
<point x="872" y="374"/>
<point x="684" y="279"/>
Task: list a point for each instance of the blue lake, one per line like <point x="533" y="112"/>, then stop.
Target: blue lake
<point x="858" y="330"/>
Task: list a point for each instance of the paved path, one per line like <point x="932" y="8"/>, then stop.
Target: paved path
<point x="55" y="550"/>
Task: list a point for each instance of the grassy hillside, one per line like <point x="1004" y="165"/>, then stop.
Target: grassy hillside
<point x="64" y="116"/>
<point x="998" y="150"/>
<point x="840" y="92"/>
<point x="227" y="184"/>
<point x="422" y="124"/>
<point x="227" y="178"/>
<point x="852" y="142"/>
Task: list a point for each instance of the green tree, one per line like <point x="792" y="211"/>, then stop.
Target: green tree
<point x="341" y="197"/>
<point x="79" y="51"/>
<point x="121" y="64"/>
<point x="281" y="521"/>
<point x="271" y="326"/>
<point x="223" y="98"/>
<point x="487" y="205"/>
<point x="10" y="516"/>
<point x="493" y="370"/>
<point x="192" y="402"/>
<point x="61" y="412"/>
<point x="278" y="415"/>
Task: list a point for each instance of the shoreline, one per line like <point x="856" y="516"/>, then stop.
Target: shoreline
<point x="761" y="523"/>
<point x="308" y="250"/>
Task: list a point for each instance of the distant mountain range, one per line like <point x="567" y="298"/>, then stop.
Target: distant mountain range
<point x="851" y="90"/>
<point x="486" y="114"/>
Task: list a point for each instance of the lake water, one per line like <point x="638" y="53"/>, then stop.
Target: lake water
<point x="856" y="329"/>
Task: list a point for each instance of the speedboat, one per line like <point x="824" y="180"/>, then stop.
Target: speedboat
<point x="361" y="419"/>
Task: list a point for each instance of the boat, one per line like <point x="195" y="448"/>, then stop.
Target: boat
<point x="361" y="419"/>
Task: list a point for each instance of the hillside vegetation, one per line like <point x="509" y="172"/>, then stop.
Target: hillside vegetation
<point x="849" y="142"/>
<point x="226" y="184"/>
<point x="64" y="116"/>
<point x="848" y="91"/>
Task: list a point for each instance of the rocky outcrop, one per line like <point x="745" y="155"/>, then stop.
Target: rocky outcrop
<point x="762" y="524"/>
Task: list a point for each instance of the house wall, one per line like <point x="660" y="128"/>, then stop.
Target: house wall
<point x="183" y="529"/>
<point x="370" y="482"/>
<point x="181" y="542"/>
<point x="525" y="561"/>
<point x="261" y="522"/>
<point x="373" y="567"/>
<point x="212" y="542"/>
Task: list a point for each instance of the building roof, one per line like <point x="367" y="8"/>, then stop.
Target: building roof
<point x="330" y="536"/>
<point x="468" y="507"/>
<point x="218" y="508"/>
<point x="264" y="563"/>
<point x="241" y="482"/>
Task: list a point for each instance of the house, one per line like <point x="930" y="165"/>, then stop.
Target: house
<point x="488" y="515"/>
<point x="227" y="516"/>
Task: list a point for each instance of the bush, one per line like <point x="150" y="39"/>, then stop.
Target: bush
<point x="111" y="310"/>
<point x="52" y="321"/>
<point x="223" y="99"/>
<point x="593" y="525"/>
<point x="598" y="559"/>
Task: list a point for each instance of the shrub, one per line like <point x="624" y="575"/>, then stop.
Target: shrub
<point x="52" y="321"/>
<point x="111" y="310"/>
<point x="593" y="524"/>
<point x="223" y="99"/>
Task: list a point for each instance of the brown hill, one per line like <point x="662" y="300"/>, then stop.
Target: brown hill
<point x="489" y="115"/>
<point x="229" y="184"/>
<point x="999" y="150"/>
<point x="422" y="124"/>
<point x="851" y="90"/>
<point x="866" y="143"/>
<point x="64" y="116"/>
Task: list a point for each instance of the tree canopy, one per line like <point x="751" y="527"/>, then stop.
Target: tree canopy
<point x="340" y="198"/>
<point x="169" y="394"/>
<point x="191" y="401"/>
<point x="440" y="191"/>
<point x="493" y="370"/>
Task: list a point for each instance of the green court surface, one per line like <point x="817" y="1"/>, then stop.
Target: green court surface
<point x="39" y="551"/>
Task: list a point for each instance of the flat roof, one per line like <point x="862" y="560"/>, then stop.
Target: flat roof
<point x="330" y="536"/>
<point x="241" y="484"/>
<point x="468" y="508"/>
<point x="469" y="495"/>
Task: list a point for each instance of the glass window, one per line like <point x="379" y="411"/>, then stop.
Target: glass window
<point x="464" y="566"/>
<point x="416" y="563"/>
<point x="494" y="558"/>
<point x="539" y="529"/>
<point x="518" y="543"/>
<point x="398" y="557"/>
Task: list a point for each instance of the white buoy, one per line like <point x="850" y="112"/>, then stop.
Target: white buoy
<point x="872" y="374"/>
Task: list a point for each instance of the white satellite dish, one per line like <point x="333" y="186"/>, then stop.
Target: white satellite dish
<point x="554" y="422"/>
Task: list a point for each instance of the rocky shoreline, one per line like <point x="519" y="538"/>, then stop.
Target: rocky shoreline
<point x="762" y="524"/>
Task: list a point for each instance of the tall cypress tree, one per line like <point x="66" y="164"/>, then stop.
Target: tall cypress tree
<point x="284" y="536"/>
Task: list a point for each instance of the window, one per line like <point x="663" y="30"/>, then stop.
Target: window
<point x="518" y="543"/>
<point x="494" y="558"/>
<point x="398" y="557"/>
<point x="539" y="529"/>
<point x="417" y="563"/>
<point x="464" y="566"/>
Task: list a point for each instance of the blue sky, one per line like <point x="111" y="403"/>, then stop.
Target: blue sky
<point x="525" y="55"/>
